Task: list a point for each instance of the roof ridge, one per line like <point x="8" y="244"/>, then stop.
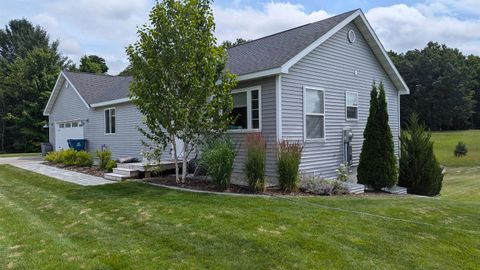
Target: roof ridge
<point x="290" y="29"/>
<point x="94" y="74"/>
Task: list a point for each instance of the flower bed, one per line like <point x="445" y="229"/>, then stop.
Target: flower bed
<point x="93" y="170"/>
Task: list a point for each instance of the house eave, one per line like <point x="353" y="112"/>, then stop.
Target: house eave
<point x="110" y="102"/>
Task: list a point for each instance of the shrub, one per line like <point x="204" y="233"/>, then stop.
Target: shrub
<point x="105" y="156"/>
<point x="378" y="164"/>
<point x="217" y="157"/>
<point x="255" y="161"/>
<point x="420" y="172"/>
<point x="110" y="165"/>
<point x="319" y="186"/>
<point x="68" y="157"/>
<point x="83" y="159"/>
<point x="289" y="155"/>
<point x="52" y="156"/>
<point x="342" y="172"/>
<point x="460" y="149"/>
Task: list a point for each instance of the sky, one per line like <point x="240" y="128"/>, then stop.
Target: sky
<point x="106" y="27"/>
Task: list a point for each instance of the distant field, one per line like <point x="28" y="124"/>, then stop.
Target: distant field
<point x="19" y="155"/>
<point x="444" y="144"/>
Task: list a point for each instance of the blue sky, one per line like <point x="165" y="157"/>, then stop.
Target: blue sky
<point x="106" y="27"/>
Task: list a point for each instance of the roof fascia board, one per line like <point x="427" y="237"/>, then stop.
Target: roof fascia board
<point x="45" y="112"/>
<point x="285" y="67"/>
<point x="111" y="102"/>
<point x="259" y="74"/>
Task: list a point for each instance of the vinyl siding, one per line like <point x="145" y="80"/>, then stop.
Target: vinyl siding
<point x="67" y="106"/>
<point x="126" y="142"/>
<point x="268" y="128"/>
<point x="332" y="66"/>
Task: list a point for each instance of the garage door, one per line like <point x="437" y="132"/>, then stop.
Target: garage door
<point x="65" y="131"/>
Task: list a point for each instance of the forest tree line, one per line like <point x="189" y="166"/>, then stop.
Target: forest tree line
<point x="444" y="84"/>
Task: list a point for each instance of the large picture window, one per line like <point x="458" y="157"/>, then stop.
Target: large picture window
<point x="110" y="120"/>
<point x="314" y="109"/>
<point x="351" y="109"/>
<point x="246" y="109"/>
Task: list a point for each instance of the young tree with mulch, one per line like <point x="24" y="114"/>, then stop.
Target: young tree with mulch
<point x="180" y="82"/>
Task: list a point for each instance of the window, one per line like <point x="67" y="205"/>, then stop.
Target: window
<point x="68" y="125"/>
<point x="351" y="102"/>
<point x="314" y="108"/>
<point x="110" y="115"/>
<point x="61" y="125"/>
<point x="246" y="109"/>
<point x="74" y="124"/>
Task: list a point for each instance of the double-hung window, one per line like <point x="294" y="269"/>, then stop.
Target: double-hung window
<point x="314" y="113"/>
<point x="110" y="120"/>
<point x="351" y="105"/>
<point x="246" y="111"/>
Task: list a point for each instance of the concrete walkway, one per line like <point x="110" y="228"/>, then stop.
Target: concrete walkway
<point x="34" y="164"/>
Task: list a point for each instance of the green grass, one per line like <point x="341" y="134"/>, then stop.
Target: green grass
<point x="19" y="155"/>
<point x="445" y="143"/>
<point x="49" y="224"/>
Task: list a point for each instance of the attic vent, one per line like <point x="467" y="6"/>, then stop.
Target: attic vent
<point x="351" y="36"/>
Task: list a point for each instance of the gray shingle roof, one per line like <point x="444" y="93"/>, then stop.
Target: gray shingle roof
<point x="95" y="88"/>
<point x="275" y="50"/>
<point x="261" y="54"/>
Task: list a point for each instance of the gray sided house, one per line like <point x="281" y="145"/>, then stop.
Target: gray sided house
<point x="309" y="84"/>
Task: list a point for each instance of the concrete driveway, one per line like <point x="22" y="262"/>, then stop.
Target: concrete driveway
<point x="34" y="164"/>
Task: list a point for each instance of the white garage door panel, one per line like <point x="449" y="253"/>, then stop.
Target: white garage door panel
<point x="65" y="131"/>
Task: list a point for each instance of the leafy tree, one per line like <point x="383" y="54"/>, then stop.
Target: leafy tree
<point x="93" y="64"/>
<point x="126" y="72"/>
<point x="441" y="86"/>
<point x="229" y="44"/>
<point x="180" y="82"/>
<point x="377" y="167"/>
<point x="420" y="171"/>
<point x="473" y="62"/>
<point x="29" y="66"/>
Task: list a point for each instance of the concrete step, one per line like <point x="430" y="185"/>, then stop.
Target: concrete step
<point x="126" y="172"/>
<point x="396" y="190"/>
<point x="354" y="188"/>
<point x="115" y="176"/>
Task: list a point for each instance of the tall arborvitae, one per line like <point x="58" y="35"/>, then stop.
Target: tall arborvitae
<point x="369" y="154"/>
<point x="420" y="172"/>
<point x="377" y="168"/>
<point x="387" y="151"/>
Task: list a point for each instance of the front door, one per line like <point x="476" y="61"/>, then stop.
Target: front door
<point x="65" y="131"/>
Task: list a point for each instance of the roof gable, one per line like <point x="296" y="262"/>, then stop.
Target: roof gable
<point x="275" y="50"/>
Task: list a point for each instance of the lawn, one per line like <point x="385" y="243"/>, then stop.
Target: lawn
<point x="445" y="143"/>
<point x="47" y="223"/>
<point x="19" y="155"/>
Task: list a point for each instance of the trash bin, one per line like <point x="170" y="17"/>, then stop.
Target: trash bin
<point x="46" y="147"/>
<point x="77" y="144"/>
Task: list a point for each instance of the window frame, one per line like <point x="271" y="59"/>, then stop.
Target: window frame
<point x="249" y="128"/>
<point x="346" y="106"/>
<point x="323" y="139"/>
<point x="110" y="121"/>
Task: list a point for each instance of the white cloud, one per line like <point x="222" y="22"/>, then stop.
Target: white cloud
<point x="246" y="22"/>
<point x="402" y="27"/>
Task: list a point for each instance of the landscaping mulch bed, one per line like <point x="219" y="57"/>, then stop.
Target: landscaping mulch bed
<point x="206" y="185"/>
<point x="94" y="170"/>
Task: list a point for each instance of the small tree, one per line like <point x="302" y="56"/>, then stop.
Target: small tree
<point x="420" y="172"/>
<point x="377" y="167"/>
<point x="180" y="82"/>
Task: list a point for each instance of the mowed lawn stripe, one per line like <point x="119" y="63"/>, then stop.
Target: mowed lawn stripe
<point x="132" y="225"/>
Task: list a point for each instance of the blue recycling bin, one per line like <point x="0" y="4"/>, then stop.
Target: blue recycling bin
<point x="77" y="144"/>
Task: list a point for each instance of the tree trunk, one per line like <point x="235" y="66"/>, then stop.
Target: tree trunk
<point x="184" y="164"/>
<point x="173" y="139"/>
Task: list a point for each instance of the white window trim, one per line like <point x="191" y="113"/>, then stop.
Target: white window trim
<point x="346" y="106"/>
<point x="110" y="122"/>
<point x="249" y="128"/>
<point x="305" y="87"/>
